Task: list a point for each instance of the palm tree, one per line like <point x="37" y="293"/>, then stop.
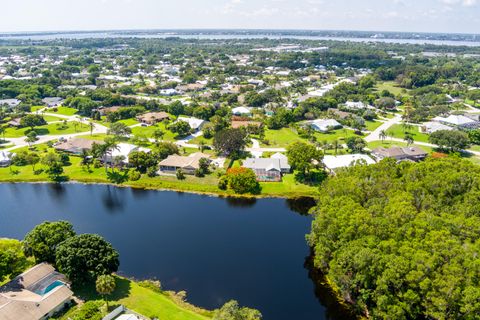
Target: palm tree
<point x="382" y="135"/>
<point x="409" y="139"/>
<point x="335" y="146"/>
<point x="158" y="135"/>
<point x="92" y="126"/>
<point x="105" y="285"/>
<point x="2" y="132"/>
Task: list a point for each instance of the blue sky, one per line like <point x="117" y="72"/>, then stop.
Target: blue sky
<point x="388" y="15"/>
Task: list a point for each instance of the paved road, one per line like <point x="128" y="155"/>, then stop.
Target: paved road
<point x="375" y="134"/>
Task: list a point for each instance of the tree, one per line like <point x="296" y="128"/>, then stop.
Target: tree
<point x="158" y="135"/>
<point x="42" y="241"/>
<point x="232" y="311"/>
<point x="31" y="138"/>
<point x="356" y="144"/>
<point x="83" y="258"/>
<point x="301" y="156"/>
<point x="453" y="140"/>
<point x="2" y="132"/>
<point x="382" y="135"/>
<point x="242" y="180"/>
<point x="32" y="121"/>
<point x="230" y="142"/>
<point x="91" y="124"/>
<point x="54" y="165"/>
<point x="408" y="139"/>
<point x="105" y="285"/>
<point x="387" y="258"/>
<point x="164" y="149"/>
<point x="12" y="259"/>
<point x="119" y="129"/>
<point x="181" y="128"/>
<point x="32" y="159"/>
<point x="142" y="160"/>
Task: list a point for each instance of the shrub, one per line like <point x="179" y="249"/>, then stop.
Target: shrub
<point x="180" y="175"/>
<point x="223" y="183"/>
<point x="97" y="164"/>
<point x="134" y="175"/>
<point x="242" y="180"/>
<point x="152" y="172"/>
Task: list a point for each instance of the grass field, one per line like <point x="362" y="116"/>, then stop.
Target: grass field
<point x="372" y="125"/>
<point x="148" y="131"/>
<point x="399" y="131"/>
<point x="148" y="302"/>
<point x="392" y="87"/>
<point x="52" y="118"/>
<point x="63" y="111"/>
<point x="52" y="129"/>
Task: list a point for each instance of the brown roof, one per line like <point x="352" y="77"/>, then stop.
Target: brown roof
<point x="192" y="161"/>
<point x="239" y="124"/>
<point x="76" y="145"/>
<point x="153" y="116"/>
<point x="399" y="152"/>
<point x="110" y="109"/>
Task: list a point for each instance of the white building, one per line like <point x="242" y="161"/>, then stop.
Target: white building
<point x="458" y="121"/>
<point x="324" y="125"/>
<point x="357" y="105"/>
<point x="241" y="111"/>
<point x="343" y="161"/>
<point x="194" y="123"/>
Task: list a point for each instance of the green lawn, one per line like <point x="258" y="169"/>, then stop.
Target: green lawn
<point x="148" y="302"/>
<point x="388" y="144"/>
<point x="399" y="131"/>
<point x="129" y="122"/>
<point x="372" y="125"/>
<point x="197" y="140"/>
<point x="392" y="87"/>
<point x="148" y="131"/>
<point x="36" y="108"/>
<point x="52" y="129"/>
<point x="66" y="111"/>
<point x="52" y="118"/>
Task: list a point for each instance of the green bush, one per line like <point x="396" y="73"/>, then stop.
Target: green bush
<point x="223" y="183"/>
<point x="134" y="175"/>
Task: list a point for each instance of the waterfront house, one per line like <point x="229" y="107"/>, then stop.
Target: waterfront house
<point x="36" y="294"/>
<point x="5" y="158"/>
<point x="268" y="169"/>
<point x="76" y="145"/>
<point x="188" y="164"/>
<point x="122" y="151"/>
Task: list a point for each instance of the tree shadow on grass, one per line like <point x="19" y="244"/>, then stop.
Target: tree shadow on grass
<point x="313" y="178"/>
<point x="89" y="292"/>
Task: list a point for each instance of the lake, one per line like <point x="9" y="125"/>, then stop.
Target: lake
<point x="216" y="249"/>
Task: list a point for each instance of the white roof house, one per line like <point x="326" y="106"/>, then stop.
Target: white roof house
<point x="457" y="121"/>
<point x="11" y="103"/>
<point x="279" y="155"/>
<point x="324" y="125"/>
<point x="241" y="111"/>
<point x="5" y="158"/>
<point x="123" y="150"/>
<point x="194" y="123"/>
<point x="357" y="105"/>
<point x="431" y="127"/>
<point x="342" y="161"/>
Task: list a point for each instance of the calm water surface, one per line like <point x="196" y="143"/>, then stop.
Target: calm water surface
<point x="216" y="249"/>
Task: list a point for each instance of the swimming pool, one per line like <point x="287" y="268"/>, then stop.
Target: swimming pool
<point x="50" y="287"/>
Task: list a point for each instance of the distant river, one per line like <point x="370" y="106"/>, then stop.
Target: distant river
<point x="161" y="35"/>
<point x="216" y="249"/>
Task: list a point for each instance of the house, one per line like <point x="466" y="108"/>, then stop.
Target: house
<point x="76" y="145"/>
<point x="9" y="103"/>
<point x="241" y="111"/>
<point x="400" y="154"/>
<point x="431" y="127"/>
<point x="169" y="92"/>
<point x="268" y="169"/>
<point x="36" y="294"/>
<point x="342" y="115"/>
<point x="241" y="124"/>
<point x="188" y="164"/>
<point x="334" y="162"/>
<point x="458" y="121"/>
<point x="151" y="118"/>
<point x="52" y="102"/>
<point x="191" y="87"/>
<point x="195" y="124"/>
<point x="357" y="105"/>
<point x="5" y="158"/>
<point x="325" y="125"/>
<point x="104" y="111"/>
<point x="16" y="122"/>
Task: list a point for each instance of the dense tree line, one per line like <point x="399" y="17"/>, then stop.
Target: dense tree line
<point x="401" y="241"/>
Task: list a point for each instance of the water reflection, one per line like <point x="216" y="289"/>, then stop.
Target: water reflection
<point x="241" y="202"/>
<point x="325" y="294"/>
<point x="56" y="191"/>
<point x="301" y="205"/>
<point x="112" y="200"/>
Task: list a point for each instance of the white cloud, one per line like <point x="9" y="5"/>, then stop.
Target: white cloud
<point x="464" y="3"/>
